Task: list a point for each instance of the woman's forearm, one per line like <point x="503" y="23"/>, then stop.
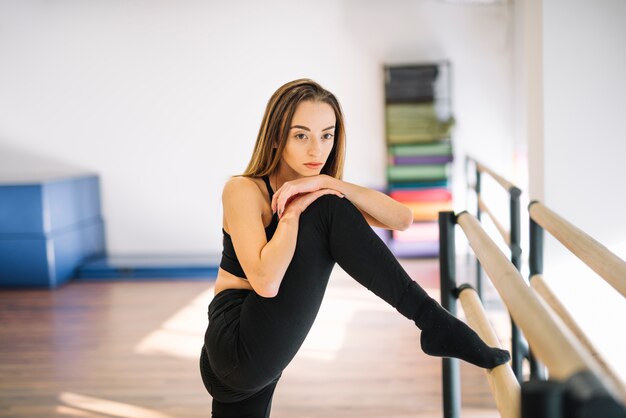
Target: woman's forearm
<point x="277" y="254"/>
<point x="378" y="205"/>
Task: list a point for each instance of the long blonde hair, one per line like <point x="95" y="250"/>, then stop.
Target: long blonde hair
<point x="277" y="119"/>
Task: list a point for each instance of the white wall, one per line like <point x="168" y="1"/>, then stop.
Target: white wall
<point x="585" y="106"/>
<point x="579" y="168"/>
<point x="163" y="99"/>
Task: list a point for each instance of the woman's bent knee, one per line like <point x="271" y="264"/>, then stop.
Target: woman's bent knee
<point x="327" y="203"/>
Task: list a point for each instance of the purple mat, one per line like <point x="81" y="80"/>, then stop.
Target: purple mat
<point x="408" y="249"/>
<point x="414" y="249"/>
<point x="383" y="234"/>
<point x="435" y="159"/>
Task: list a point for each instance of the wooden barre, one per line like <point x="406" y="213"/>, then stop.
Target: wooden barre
<point x="556" y="347"/>
<point x="505" y="234"/>
<point x="504" y="183"/>
<point x="541" y="287"/>
<point x="609" y="266"/>
<point x="504" y="386"/>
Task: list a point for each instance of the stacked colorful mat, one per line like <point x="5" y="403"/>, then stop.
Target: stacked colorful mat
<point x="418" y="131"/>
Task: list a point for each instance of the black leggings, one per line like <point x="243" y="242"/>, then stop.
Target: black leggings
<point x="251" y="339"/>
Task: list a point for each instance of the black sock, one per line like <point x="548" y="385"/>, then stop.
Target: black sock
<point x="444" y="335"/>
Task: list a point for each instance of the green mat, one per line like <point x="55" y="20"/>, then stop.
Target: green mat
<point x="415" y="122"/>
<point x="416" y="172"/>
<point x="416" y="150"/>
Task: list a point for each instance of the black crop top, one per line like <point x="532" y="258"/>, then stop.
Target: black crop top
<point x="229" y="261"/>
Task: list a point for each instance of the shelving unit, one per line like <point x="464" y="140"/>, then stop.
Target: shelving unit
<point x="419" y="122"/>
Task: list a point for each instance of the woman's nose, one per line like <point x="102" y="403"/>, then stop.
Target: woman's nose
<point x="315" y="147"/>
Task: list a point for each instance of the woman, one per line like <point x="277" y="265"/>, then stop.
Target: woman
<point x="287" y="220"/>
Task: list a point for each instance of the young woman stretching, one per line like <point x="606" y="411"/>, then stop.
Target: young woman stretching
<point x="287" y="220"/>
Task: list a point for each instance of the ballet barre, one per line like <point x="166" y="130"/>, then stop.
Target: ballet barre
<point x="511" y="237"/>
<point x="599" y="258"/>
<point x="578" y="386"/>
<point x="502" y="381"/>
<point x="608" y="266"/>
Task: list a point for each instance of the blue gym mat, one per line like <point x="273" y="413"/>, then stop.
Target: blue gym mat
<point x="110" y="267"/>
<point x="49" y="224"/>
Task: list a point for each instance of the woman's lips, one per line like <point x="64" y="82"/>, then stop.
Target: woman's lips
<point x="314" y="165"/>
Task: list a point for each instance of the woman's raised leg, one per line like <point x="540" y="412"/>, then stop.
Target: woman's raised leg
<point x="366" y="258"/>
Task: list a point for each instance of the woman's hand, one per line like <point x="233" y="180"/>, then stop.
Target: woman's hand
<point x="290" y="189"/>
<point x="298" y="203"/>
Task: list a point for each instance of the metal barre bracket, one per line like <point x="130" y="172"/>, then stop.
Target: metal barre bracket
<point x="580" y="396"/>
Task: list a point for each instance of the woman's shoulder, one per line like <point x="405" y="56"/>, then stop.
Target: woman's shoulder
<point x="243" y="186"/>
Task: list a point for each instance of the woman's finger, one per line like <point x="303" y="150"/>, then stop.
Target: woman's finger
<point x="283" y="200"/>
<point x="276" y="199"/>
<point x="278" y="203"/>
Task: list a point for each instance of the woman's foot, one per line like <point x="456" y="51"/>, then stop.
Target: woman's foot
<point x="444" y="335"/>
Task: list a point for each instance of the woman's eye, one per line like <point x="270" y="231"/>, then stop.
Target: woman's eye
<point x="300" y="136"/>
<point x="328" y="136"/>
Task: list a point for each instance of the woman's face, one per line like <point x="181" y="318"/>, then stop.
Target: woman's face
<point x="311" y="138"/>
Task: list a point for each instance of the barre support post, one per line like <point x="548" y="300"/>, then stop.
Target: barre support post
<point x="451" y="379"/>
<point x="535" y="261"/>
<point x="517" y="343"/>
<point x="479" y="270"/>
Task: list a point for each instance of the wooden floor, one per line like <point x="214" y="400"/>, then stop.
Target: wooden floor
<point x="130" y="349"/>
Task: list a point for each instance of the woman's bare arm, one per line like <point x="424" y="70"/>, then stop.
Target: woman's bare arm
<point x="264" y="263"/>
<point x="377" y="208"/>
